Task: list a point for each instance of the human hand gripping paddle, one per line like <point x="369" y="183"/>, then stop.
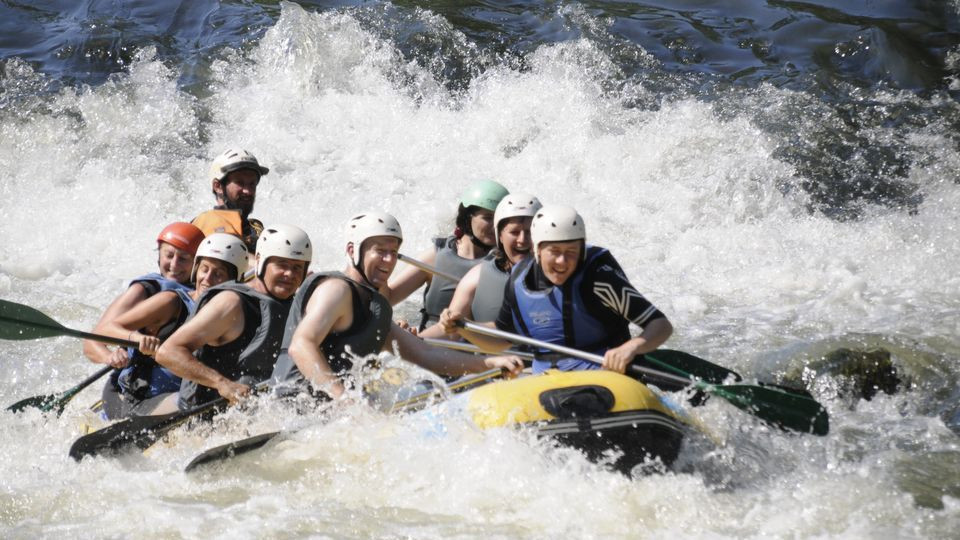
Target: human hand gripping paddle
<point x="787" y="410"/>
<point x="20" y="322"/>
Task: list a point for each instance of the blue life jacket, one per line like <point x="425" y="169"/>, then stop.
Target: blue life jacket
<point x="143" y="377"/>
<point x="559" y="315"/>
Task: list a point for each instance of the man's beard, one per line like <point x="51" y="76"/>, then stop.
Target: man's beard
<point x="244" y="206"/>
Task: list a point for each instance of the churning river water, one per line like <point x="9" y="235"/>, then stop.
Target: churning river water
<point x="781" y="178"/>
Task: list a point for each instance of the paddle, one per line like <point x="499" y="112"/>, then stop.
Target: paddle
<point x="678" y="362"/>
<point x="412" y="403"/>
<point x="139" y="431"/>
<point x="20" y="322"/>
<point x="427" y="268"/>
<point x="786" y="410"/>
<point x="58" y="402"/>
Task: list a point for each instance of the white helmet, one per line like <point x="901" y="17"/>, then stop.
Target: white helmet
<point x="235" y="159"/>
<point x="514" y="205"/>
<point x="556" y="224"/>
<point x="367" y="225"/>
<point x="225" y="247"/>
<point x="284" y="241"/>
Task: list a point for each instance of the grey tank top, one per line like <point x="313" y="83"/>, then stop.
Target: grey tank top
<point x="489" y="296"/>
<point x="440" y="290"/>
<point x="372" y="317"/>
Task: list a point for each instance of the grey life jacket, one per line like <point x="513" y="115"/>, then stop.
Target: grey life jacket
<point x="489" y="295"/>
<point x="440" y="290"/>
<point x="253" y="354"/>
<point x="372" y="317"/>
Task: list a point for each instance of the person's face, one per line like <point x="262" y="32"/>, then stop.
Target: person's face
<point x="282" y="276"/>
<point x="481" y="223"/>
<point x="378" y="258"/>
<point x="559" y="260"/>
<point x="211" y="272"/>
<point x="515" y="238"/>
<point x="175" y="264"/>
<point x="239" y="190"/>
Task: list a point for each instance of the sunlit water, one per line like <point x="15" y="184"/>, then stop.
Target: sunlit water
<point x="771" y="223"/>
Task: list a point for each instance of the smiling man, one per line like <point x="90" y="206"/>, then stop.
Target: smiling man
<point x="575" y="295"/>
<point x="337" y="316"/>
<point x="235" y="175"/>
<point x="237" y="329"/>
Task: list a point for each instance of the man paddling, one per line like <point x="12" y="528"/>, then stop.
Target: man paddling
<point x="176" y="245"/>
<point x="237" y="329"/>
<point x="337" y="316"/>
<point x="575" y="295"/>
<point x="235" y="175"/>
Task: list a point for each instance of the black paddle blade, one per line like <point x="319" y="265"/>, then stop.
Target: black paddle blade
<point x="20" y="322"/>
<point x="786" y="410"/>
<point x="58" y="402"/>
<point x="231" y="449"/>
<point x="138" y="431"/>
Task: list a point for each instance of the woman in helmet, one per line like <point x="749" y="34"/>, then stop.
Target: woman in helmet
<point x="480" y="293"/>
<point x="237" y="329"/>
<point x="473" y="239"/>
<point x="575" y="295"/>
<point x="140" y="386"/>
<point x="338" y="316"/>
<point x="176" y="245"/>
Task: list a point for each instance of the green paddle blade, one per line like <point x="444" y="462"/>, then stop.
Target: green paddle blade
<point x="58" y="402"/>
<point x="688" y="365"/>
<point x="44" y="403"/>
<point x="785" y="410"/>
<point x="19" y="322"/>
<point x="231" y="449"/>
<point x="138" y="431"/>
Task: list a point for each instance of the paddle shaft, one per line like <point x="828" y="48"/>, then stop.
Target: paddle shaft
<point x="466" y="346"/>
<point x="589" y="357"/>
<point x="427" y="268"/>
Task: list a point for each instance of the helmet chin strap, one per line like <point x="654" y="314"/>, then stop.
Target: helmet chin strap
<point x="359" y="268"/>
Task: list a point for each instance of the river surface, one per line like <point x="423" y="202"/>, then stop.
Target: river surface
<point x="781" y="178"/>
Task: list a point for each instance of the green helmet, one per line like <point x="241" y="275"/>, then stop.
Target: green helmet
<point x="484" y="194"/>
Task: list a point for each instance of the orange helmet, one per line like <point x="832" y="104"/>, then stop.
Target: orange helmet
<point x="181" y="235"/>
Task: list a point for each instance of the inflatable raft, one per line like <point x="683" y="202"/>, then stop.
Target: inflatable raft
<point x="601" y="413"/>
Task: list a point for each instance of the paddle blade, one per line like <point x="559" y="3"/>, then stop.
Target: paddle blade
<point x="786" y="410"/>
<point x="138" y="431"/>
<point x="230" y="450"/>
<point x="20" y="322"/>
<point x="44" y="403"/>
<point x="686" y="364"/>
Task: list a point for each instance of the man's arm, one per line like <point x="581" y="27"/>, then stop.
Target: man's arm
<point x="219" y="321"/>
<point x="97" y="352"/>
<point x="330" y="307"/>
<point x="610" y="288"/>
<point x="447" y="361"/>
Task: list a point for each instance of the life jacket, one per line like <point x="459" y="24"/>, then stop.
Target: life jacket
<point x="559" y="315"/>
<point x="372" y="317"/>
<point x="152" y="283"/>
<point x="223" y="220"/>
<point x="440" y="290"/>
<point x="489" y="294"/>
<point x="143" y="377"/>
<point x="253" y="354"/>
